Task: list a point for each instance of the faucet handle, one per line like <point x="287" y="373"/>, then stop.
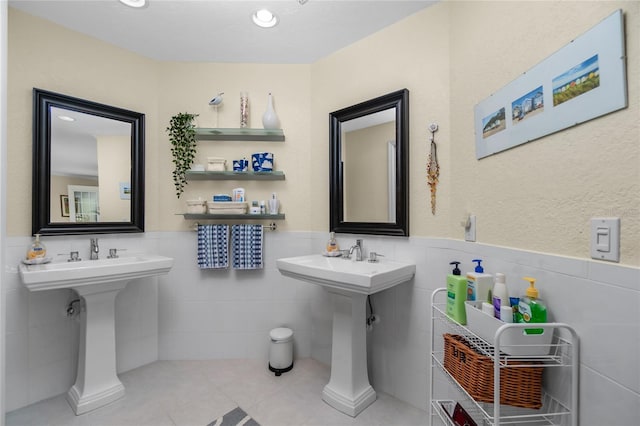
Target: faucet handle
<point x="113" y="253"/>
<point x="73" y="256"/>
<point x="373" y="257"/>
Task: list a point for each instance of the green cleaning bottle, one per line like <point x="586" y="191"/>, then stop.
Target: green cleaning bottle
<point x="532" y="309"/>
<point x="456" y="295"/>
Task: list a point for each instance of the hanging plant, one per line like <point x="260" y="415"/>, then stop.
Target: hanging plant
<point x="182" y="135"/>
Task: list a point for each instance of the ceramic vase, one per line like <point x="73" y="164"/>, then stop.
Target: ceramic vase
<point x="270" y="118"/>
<point x="244" y="109"/>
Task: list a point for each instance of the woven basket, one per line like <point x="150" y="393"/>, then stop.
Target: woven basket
<point x="520" y="385"/>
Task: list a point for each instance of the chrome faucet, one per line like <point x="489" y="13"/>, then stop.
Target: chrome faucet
<point x="95" y="250"/>
<point x="358" y="248"/>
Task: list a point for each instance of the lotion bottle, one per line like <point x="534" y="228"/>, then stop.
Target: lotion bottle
<point x="531" y="308"/>
<point x="500" y="294"/>
<point x="479" y="284"/>
<point x="456" y="295"/>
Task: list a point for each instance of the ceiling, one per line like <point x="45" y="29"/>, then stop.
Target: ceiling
<point x="222" y="30"/>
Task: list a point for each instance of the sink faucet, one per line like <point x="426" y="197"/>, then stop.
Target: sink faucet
<point x="358" y="248"/>
<point x="94" y="249"/>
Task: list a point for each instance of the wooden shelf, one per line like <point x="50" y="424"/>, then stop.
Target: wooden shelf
<point x="275" y="175"/>
<point x="243" y="134"/>
<point x="205" y="216"/>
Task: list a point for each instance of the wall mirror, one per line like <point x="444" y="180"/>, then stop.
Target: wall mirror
<point x="88" y="167"/>
<point x="369" y="168"/>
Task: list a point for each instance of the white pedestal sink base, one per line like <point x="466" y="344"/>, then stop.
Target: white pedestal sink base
<point x="97" y="383"/>
<point x="348" y="389"/>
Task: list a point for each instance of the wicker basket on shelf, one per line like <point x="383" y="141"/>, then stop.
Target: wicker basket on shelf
<point x="520" y="382"/>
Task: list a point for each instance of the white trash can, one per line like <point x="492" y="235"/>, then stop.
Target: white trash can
<point x="281" y="350"/>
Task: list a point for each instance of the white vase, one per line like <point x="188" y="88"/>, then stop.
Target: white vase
<point x="270" y="118"/>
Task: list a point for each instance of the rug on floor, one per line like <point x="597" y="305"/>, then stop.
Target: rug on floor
<point x="235" y="417"/>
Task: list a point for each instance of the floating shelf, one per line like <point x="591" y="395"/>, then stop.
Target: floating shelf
<point x="275" y="175"/>
<point x="205" y="216"/>
<point x="243" y="134"/>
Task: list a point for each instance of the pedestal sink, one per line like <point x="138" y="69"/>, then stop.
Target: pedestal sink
<point x="348" y="390"/>
<point x="98" y="283"/>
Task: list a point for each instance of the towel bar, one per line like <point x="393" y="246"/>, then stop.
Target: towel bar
<point x="270" y="227"/>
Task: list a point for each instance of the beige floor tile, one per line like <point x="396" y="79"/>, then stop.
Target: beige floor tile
<point x="194" y="393"/>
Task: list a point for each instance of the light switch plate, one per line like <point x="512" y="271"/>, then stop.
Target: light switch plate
<point x="605" y="238"/>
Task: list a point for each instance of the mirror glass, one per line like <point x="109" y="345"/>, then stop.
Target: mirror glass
<point x="369" y="167"/>
<point x="88" y="167"/>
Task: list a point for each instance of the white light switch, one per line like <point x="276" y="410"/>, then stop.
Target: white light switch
<point x="605" y="238"/>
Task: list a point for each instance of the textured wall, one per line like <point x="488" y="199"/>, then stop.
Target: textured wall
<point x="50" y="57"/>
<point x="541" y="195"/>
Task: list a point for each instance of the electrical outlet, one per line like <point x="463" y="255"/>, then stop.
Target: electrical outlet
<point x="470" y="228"/>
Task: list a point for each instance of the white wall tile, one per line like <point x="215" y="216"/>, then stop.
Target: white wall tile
<point x="195" y="314"/>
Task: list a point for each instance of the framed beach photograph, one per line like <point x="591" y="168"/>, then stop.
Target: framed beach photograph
<point x="64" y="205"/>
<point x="125" y="191"/>
<point x="583" y="80"/>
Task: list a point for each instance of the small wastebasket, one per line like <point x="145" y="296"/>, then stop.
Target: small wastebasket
<point x="281" y="350"/>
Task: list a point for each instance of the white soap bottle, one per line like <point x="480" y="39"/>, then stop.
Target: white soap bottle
<point x="500" y="294"/>
<point x="479" y="284"/>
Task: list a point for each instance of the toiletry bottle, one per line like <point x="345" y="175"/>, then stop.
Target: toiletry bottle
<point x="478" y="283"/>
<point x="456" y="295"/>
<point x="36" y="250"/>
<point x="531" y="308"/>
<point x="500" y="294"/>
<point x="273" y="204"/>
<point x="332" y="244"/>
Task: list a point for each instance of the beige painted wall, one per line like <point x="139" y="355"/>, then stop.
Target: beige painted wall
<point x="538" y="196"/>
<point x="114" y="167"/>
<point x="50" y="57"/>
<point x="189" y="87"/>
<point x="365" y="154"/>
<point x="412" y="54"/>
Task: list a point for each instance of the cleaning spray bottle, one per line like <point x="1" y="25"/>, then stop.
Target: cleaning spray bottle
<point x="456" y="295"/>
<point x="479" y="284"/>
<point x="531" y="308"/>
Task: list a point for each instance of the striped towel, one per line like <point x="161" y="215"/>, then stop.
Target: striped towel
<point x="246" y="246"/>
<point x="213" y="246"/>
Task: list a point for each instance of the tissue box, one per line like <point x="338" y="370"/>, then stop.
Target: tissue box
<point x="513" y="341"/>
<point x="226" y="207"/>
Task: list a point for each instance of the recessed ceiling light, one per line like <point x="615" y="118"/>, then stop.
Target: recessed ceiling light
<point x="265" y="19"/>
<point x="66" y="118"/>
<point x="134" y="3"/>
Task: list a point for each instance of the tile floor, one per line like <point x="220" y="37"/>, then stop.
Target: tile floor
<point x="186" y="393"/>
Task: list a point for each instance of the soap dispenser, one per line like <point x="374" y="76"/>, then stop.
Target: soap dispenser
<point x="479" y="284"/>
<point x="456" y="295"/>
<point x="332" y="244"/>
<point x="36" y="250"/>
<point x="532" y="309"/>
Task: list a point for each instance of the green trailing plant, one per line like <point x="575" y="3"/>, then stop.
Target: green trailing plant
<point x="182" y="135"/>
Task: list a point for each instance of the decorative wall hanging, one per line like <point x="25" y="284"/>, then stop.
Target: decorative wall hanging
<point x="433" y="168"/>
<point x="583" y="80"/>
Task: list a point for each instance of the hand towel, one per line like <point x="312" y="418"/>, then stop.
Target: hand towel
<point x="246" y="246"/>
<point x="213" y="246"/>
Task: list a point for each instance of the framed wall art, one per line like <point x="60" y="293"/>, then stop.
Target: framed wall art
<point x="64" y="205"/>
<point x="583" y="80"/>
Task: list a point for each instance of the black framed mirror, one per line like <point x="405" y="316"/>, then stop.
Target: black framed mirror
<point x="88" y="167"/>
<point x="369" y="167"/>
